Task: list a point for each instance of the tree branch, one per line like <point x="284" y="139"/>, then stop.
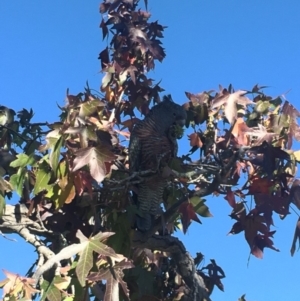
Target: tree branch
<point x="196" y="289"/>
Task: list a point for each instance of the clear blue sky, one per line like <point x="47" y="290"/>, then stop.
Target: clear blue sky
<point x="48" y="46"/>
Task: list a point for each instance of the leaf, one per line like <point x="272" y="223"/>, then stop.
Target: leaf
<point x="42" y="178"/>
<point x="88" y="108"/>
<point x="261" y="242"/>
<point x="187" y="214"/>
<point x="67" y="194"/>
<point x="230" y="197"/>
<point x="296" y="238"/>
<point x="297" y="155"/>
<point x="51" y="291"/>
<point x="113" y="278"/>
<point x="104" y="29"/>
<point x="200" y="207"/>
<point x="261" y="135"/>
<point x="260" y="185"/>
<point x="84" y="265"/>
<point x="95" y="158"/>
<point x="2" y="204"/>
<point x="195" y="140"/>
<point x="94" y="244"/>
<point x="55" y="154"/>
<point x="15" y="285"/>
<point x="21" y="161"/>
<point x="107" y="78"/>
<point x="230" y="101"/>
<point x="242" y="298"/>
<point x="17" y="180"/>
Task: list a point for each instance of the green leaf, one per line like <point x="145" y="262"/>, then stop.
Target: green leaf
<point x="88" y="108"/>
<point x="50" y="291"/>
<point x="262" y="106"/>
<point x="42" y="178"/>
<point x="21" y="161"/>
<point x="2" y="203"/>
<point x="84" y="265"/>
<point x="85" y="262"/>
<point x="199" y="207"/>
<point x="55" y="154"/>
<point x="17" y="180"/>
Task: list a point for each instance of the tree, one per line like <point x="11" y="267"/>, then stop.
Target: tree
<point x="74" y="184"/>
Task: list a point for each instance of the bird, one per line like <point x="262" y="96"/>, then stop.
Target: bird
<point x="6" y="115"/>
<point x="153" y="142"/>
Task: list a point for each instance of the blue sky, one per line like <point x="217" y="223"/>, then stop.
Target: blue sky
<point x="49" y="46"/>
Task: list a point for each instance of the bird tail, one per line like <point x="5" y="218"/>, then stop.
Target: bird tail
<point x="144" y="222"/>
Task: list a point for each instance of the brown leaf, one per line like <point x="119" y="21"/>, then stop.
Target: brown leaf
<point x="195" y="140"/>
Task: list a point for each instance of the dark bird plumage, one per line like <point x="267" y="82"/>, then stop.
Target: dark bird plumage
<point x="152" y="144"/>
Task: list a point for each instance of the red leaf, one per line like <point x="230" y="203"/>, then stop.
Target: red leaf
<point x="187" y="214"/>
<point x="260" y="185"/>
<point x="261" y="242"/>
<point x="230" y="198"/>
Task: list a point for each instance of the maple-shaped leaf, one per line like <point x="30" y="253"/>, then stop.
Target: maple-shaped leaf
<point x="260" y="185"/>
<point x="241" y="132"/>
<point x="113" y="276"/>
<point x="261" y="134"/>
<point x="86" y="259"/>
<point x="266" y="155"/>
<point x="230" y="102"/>
<point x="83" y="181"/>
<point x="96" y="158"/>
<point x="55" y="290"/>
<point x="239" y="211"/>
<point x="89" y="107"/>
<point x="277" y="203"/>
<point x="215" y="274"/>
<point x="15" y="285"/>
<point x="199" y="206"/>
<point x="262" y="241"/>
<point x="188" y="214"/>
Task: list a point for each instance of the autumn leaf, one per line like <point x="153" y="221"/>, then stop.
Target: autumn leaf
<point x="230" y="102"/>
<point x="195" y="140"/>
<point x="15" y="285"/>
<point x="262" y="241"/>
<point x="113" y="277"/>
<point x="230" y="197"/>
<point x="188" y="214"/>
<point x="261" y="134"/>
<point x="260" y="185"/>
<point x="96" y="158"/>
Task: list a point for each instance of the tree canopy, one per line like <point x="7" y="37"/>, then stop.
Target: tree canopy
<point x="75" y="187"/>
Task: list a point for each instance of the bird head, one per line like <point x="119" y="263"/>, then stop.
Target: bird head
<point x="170" y="112"/>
